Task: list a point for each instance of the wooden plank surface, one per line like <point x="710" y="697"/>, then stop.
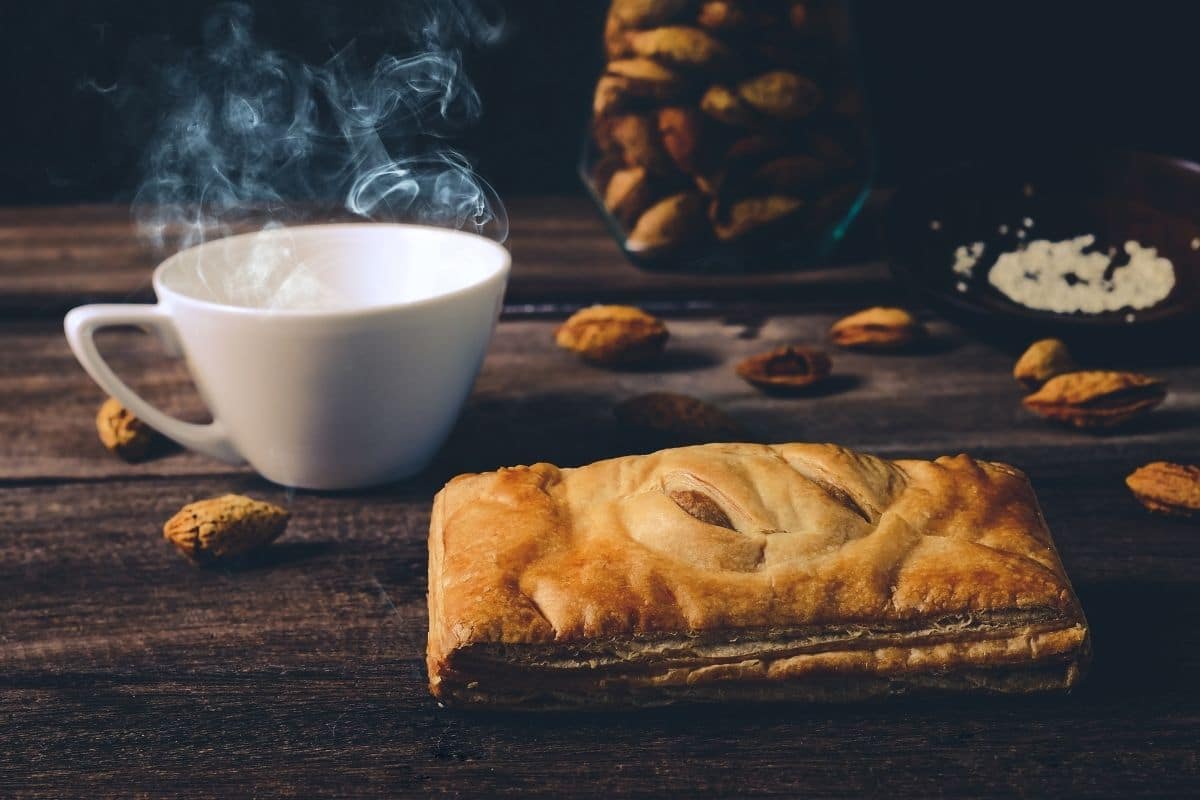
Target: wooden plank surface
<point x="126" y="672"/>
<point x="54" y="258"/>
<point x="534" y="402"/>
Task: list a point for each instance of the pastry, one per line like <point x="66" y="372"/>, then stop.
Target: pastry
<point x="732" y="572"/>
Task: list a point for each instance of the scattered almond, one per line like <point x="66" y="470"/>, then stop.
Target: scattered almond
<point x="1167" y="488"/>
<point x="786" y="368"/>
<point x="1097" y="399"/>
<point x="877" y="328"/>
<point x="122" y="433"/>
<point x="1042" y="361"/>
<point x="224" y="527"/>
<point x="613" y="335"/>
<point x="675" y="419"/>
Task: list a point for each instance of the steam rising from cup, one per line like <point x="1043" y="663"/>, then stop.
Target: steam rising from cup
<point x="252" y="138"/>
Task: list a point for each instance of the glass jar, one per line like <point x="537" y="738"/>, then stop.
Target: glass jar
<point x="728" y="135"/>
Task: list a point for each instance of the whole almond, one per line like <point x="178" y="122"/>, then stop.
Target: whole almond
<point x="645" y="79"/>
<point x="1097" y="398"/>
<point x="224" y="527"/>
<point x="786" y="368"/>
<point x="724" y="105"/>
<point x="637" y="139"/>
<point x="628" y="194"/>
<point x="877" y="328"/>
<point x="781" y="94"/>
<point x="668" y="224"/>
<point x="752" y="214"/>
<point x="680" y="46"/>
<point x="1167" y="488"/>
<point x="682" y="131"/>
<point x="1042" y="361"/>
<point x="122" y="433"/>
<point x="667" y="419"/>
<point x="612" y="335"/>
<point x="643" y="13"/>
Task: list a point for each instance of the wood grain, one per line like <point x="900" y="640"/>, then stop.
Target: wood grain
<point x="52" y="259"/>
<point x="534" y="402"/>
<point x="124" y="671"/>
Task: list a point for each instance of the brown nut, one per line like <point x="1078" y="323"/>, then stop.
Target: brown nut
<point x="680" y="46"/>
<point x="612" y="94"/>
<point x="670" y="223"/>
<point x="646" y="13"/>
<point x="603" y="170"/>
<point x="752" y="214"/>
<point x="724" y="15"/>
<point x="665" y="418"/>
<point x="646" y="79"/>
<point x="1167" y="488"/>
<point x="122" y="433"/>
<point x="781" y="94"/>
<point x="723" y="104"/>
<point x="628" y="194"/>
<point x="786" y="369"/>
<point x="616" y="38"/>
<point x="878" y="329"/>
<point x="1097" y="398"/>
<point x="799" y="17"/>
<point x="635" y="137"/>
<point x="612" y="335"/>
<point x="1042" y="361"/>
<point x="224" y="527"/>
<point x="681" y="130"/>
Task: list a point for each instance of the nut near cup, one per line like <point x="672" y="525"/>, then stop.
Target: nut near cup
<point x="726" y="123"/>
<point x="122" y="433"/>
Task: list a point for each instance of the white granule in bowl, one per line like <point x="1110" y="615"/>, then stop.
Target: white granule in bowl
<point x="965" y="258"/>
<point x="1065" y="277"/>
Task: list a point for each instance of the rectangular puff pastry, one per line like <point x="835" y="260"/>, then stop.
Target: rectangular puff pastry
<point x="745" y="572"/>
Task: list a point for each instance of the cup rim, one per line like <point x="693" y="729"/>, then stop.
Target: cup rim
<point x="500" y="273"/>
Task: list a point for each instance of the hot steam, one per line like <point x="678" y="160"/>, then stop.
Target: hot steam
<point x="253" y="138"/>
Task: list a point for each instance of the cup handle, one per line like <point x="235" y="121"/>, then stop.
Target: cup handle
<point x="81" y="325"/>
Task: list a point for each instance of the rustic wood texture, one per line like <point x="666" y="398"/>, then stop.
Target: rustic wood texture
<point x="54" y="258"/>
<point x="124" y="671"/>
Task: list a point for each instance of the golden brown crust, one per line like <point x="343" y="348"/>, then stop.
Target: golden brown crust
<point x="871" y="557"/>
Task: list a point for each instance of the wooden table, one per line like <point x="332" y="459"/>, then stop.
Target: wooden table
<point x="125" y="671"/>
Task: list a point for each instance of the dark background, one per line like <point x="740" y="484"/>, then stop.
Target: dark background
<point x="946" y="80"/>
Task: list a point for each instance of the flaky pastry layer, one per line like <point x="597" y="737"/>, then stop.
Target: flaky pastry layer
<point x="794" y="570"/>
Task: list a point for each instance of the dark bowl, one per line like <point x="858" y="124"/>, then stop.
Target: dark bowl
<point x="1117" y="196"/>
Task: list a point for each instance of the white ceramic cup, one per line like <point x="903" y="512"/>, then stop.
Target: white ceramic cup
<point x="330" y="356"/>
